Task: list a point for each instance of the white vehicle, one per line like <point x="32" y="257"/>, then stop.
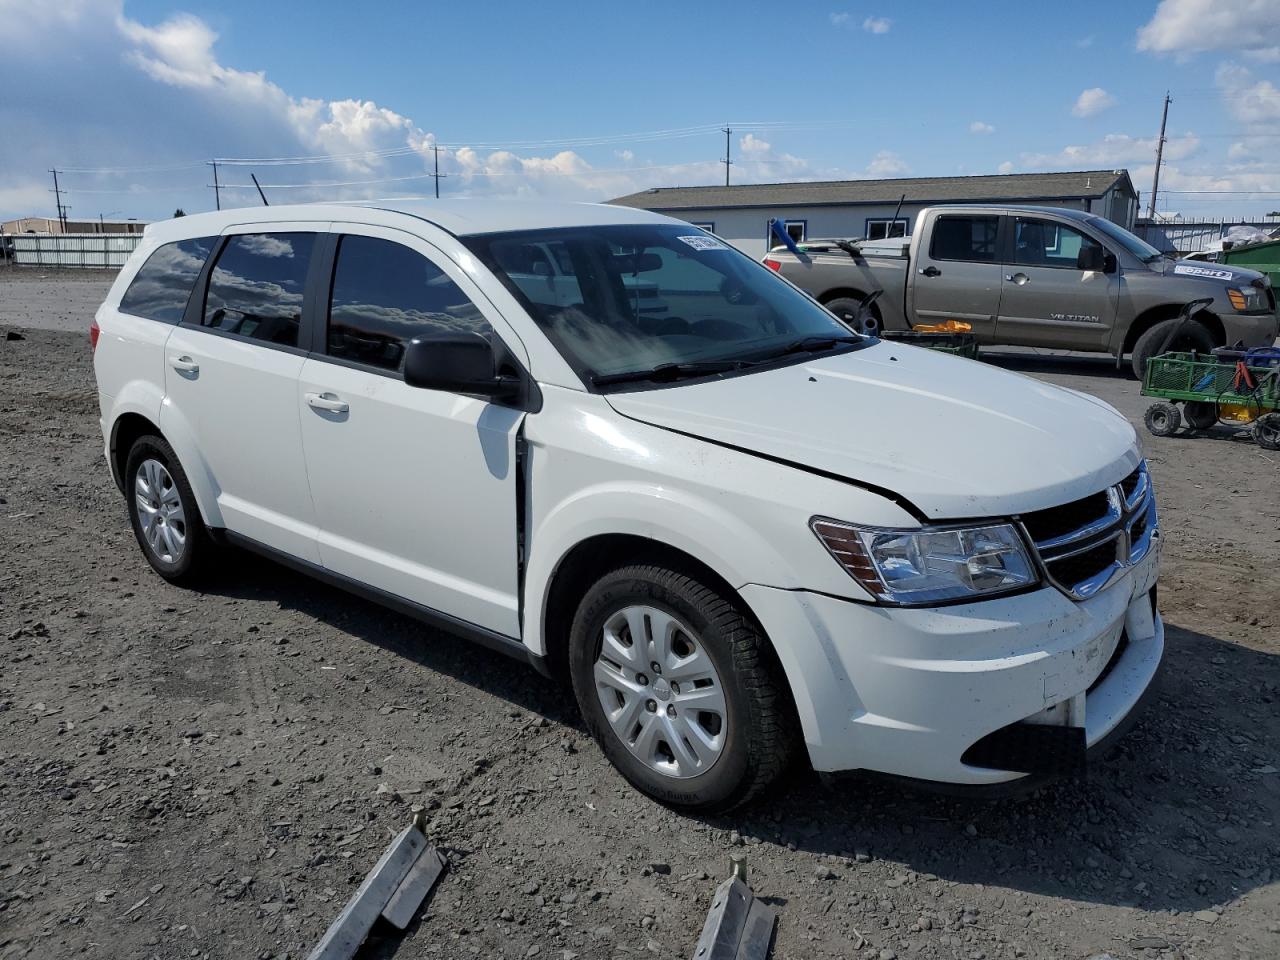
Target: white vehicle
<point x="737" y="526"/>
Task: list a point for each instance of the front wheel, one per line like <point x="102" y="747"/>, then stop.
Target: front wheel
<point x="679" y="689"/>
<point x="1200" y="414"/>
<point x="1266" y="431"/>
<point x="1163" y="419"/>
<point x="1182" y="336"/>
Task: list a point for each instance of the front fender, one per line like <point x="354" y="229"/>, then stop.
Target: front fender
<point x="180" y="434"/>
<point x="689" y="523"/>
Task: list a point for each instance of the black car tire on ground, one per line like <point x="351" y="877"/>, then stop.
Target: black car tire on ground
<point x="1200" y="414"/>
<point x="1266" y="431"/>
<point x="1192" y="336"/>
<point x="758" y="724"/>
<point x="191" y="562"/>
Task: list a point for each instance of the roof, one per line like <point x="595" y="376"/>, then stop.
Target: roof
<point x="458" y="216"/>
<point x="1006" y="187"/>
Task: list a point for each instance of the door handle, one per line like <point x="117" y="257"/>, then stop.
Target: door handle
<point x="184" y="364"/>
<point x="1018" y="278"/>
<point x="327" y="402"/>
<point x="930" y="271"/>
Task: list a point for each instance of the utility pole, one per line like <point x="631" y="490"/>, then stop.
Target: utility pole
<point x="217" y="193"/>
<point x="728" y="159"/>
<point x="435" y="149"/>
<point x="1155" y="180"/>
<point x="57" y="199"/>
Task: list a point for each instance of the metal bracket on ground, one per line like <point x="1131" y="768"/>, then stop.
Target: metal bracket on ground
<point x="394" y="890"/>
<point x="738" y="927"/>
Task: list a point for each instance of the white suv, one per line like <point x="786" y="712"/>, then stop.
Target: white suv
<point x="608" y="444"/>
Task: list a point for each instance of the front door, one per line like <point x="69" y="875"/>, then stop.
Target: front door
<point x="415" y="490"/>
<point x="957" y="276"/>
<point x="231" y="379"/>
<point x="1048" y="300"/>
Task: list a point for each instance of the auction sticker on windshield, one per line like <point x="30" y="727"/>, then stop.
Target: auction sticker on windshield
<point x="703" y="243"/>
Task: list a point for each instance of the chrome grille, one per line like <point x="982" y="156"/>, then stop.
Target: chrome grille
<point x="1084" y="545"/>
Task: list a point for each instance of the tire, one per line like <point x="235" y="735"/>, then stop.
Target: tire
<point x="1193" y="336"/>
<point x="744" y="738"/>
<point x="163" y="512"/>
<point x="1200" y="414"/>
<point x="1162" y="419"/>
<point x="1266" y="431"/>
<point x="847" y="308"/>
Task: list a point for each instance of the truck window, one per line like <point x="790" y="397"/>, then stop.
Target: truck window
<point x="965" y="238"/>
<point x="1044" y="243"/>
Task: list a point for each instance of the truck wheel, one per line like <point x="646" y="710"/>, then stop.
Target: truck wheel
<point x="1266" y="431"/>
<point x="163" y="512"/>
<point x="1200" y="414"/>
<point x="1193" y="337"/>
<point x="848" y="310"/>
<point x="679" y="689"/>
<point x="1163" y="419"/>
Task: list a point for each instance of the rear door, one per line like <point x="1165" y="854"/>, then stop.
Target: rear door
<point x="957" y="274"/>
<point x="231" y="374"/>
<point x="415" y="490"/>
<point x="1048" y="301"/>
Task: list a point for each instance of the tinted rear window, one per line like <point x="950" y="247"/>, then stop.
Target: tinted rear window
<point x="162" y="286"/>
<point x="964" y="238"/>
<point x="256" y="286"/>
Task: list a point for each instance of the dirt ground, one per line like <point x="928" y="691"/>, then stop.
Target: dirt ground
<point x="210" y="774"/>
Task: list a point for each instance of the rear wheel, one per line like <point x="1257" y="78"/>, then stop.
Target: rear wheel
<point x="1191" y="336"/>
<point x="1266" y="431"/>
<point x="678" y="687"/>
<point x="850" y="310"/>
<point x="1163" y="419"/>
<point x="1200" y="414"/>
<point x="163" y="512"/>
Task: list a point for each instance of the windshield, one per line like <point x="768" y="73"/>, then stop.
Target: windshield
<point x="656" y="301"/>
<point x="1135" y="245"/>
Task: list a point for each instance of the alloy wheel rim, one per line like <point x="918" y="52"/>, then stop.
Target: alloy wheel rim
<point x="660" y="692"/>
<point x="160" y="513"/>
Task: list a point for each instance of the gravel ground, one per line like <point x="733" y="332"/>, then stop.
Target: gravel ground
<point x="211" y="774"/>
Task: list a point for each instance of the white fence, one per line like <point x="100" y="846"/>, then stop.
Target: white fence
<point x="1192" y="236"/>
<point x="99" y="250"/>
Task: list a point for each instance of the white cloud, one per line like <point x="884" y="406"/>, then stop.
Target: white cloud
<point x="877" y="24"/>
<point x="127" y="94"/>
<point x="841" y="19"/>
<point x="1092" y="102"/>
<point x="1006" y="167"/>
<point x="1085" y="42"/>
<point x="979" y="127"/>
<point x="1112" y="151"/>
<point x="886" y="163"/>
<point x="1250" y="101"/>
<point x="1187" y="27"/>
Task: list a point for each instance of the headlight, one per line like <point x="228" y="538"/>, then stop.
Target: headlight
<point x="929" y="565"/>
<point x="1245" y="298"/>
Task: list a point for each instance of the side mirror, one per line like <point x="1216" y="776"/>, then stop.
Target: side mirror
<point x="457" y="363"/>
<point x="1096" y="258"/>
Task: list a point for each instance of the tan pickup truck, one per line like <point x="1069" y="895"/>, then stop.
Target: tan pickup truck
<point x="1038" y="277"/>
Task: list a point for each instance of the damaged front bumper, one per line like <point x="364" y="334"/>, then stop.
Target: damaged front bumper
<point x="947" y="694"/>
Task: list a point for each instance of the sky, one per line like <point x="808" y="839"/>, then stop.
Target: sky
<point x="130" y="99"/>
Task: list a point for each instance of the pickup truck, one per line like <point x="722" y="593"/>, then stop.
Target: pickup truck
<point x="1037" y="277"/>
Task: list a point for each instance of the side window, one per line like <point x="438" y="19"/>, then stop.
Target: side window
<point x="1044" y="243"/>
<point x="965" y="238"/>
<point x="885" y="229"/>
<point x="384" y="295"/>
<point x="162" y="286"/>
<point x="256" y="286"/>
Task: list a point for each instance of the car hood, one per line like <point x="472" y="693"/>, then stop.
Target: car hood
<point x="1213" y="272"/>
<point x="955" y="437"/>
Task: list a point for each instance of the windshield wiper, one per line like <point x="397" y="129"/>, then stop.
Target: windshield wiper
<point x="668" y="372"/>
<point x="807" y="345"/>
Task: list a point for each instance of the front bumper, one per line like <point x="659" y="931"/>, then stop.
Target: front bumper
<point x="1253" y="329"/>
<point x="909" y="691"/>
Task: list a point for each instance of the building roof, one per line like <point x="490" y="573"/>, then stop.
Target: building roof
<point x="1079" y="184"/>
<point x="459" y="216"/>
